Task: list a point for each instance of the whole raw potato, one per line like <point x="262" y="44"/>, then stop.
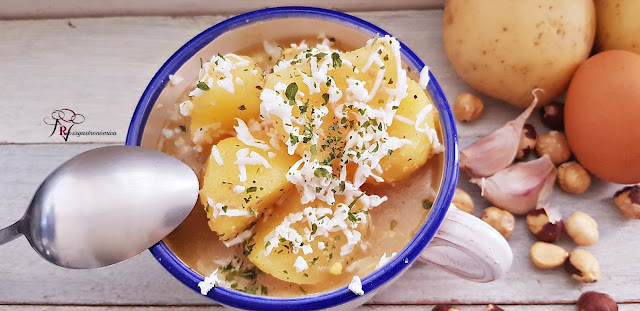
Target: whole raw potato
<point x="507" y="48"/>
<point x="618" y="25"/>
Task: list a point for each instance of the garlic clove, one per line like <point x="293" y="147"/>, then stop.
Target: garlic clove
<point x="491" y="153"/>
<point x="520" y="187"/>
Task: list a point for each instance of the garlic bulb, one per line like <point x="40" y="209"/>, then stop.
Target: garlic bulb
<point x="520" y="187"/>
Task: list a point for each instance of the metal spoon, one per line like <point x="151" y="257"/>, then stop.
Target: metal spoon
<point x="106" y="205"/>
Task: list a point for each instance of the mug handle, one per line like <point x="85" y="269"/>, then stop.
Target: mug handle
<point x="469" y="248"/>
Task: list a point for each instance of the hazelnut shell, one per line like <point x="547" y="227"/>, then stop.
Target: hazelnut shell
<point x="545" y="231"/>
<point x="628" y="201"/>
<point x="552" y="115"/>
<point x="444" y="308"/>
<point x="595" y="301"/>
<point x="582" y="266"/>
<point x="527" y="142"/>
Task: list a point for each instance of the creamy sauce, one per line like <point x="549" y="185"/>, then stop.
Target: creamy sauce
<point x="392" y="225"/>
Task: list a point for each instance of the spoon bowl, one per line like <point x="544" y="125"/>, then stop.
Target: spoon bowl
<point x="106" y="205"/>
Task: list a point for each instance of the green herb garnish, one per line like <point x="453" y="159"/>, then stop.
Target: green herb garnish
<point x="251" y="189"/>
<point x="203" y="86"/>
<point x="337" y="62"/>
<point x="427" y="204"/>
<point x="355" y="201"/>
<point x="291" y="91"/>
<point x="393" y="224"/>
<point x="242" y="108"/>
<point x="183" y="128"/>
<point x="321" y="173"/>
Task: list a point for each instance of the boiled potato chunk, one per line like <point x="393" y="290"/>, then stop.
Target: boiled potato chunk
<point x="280" y="262"/>
<point x="350" y="62"/>
<point x="214" y="111"/>
<point x="306" y="106"/>
<point x="408" y="158"/>
<point x="618" y="25"/>
<point x="231" y="212"/>
<point x="382" y="51"/>
<point x="506" y="49"/>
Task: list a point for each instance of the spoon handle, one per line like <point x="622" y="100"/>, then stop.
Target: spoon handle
<point x="9" y="233"/>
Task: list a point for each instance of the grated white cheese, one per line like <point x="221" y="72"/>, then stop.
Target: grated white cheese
<point x="404" y="119"/>
<point x="384" y="259"/>
<point x="245" y="158"/>
<point x="209" y="282"/>
<point x="271" y="155"/>
<point x="186" y="107"/>
<point x="239" y="81"/>
<point x="218" y="209"/>
<point x="321" y="245"/>
<point x="215" y="153"/>
<point x="300" y="264"/>
<point x="424" y="77"/>
<point x="239" y="239"/>
<point x="203" y="135"/>
<point x="420" y="119"/>
<point x="356" y="286"/>
<point x="175" y="80"/>
<point x="221" y="64"/>
<point x="272" y="49"/>
<point x="245" y="136"/>
<point x="432" y="133"/>
<point x="238" y="189"/>
<point x="167" y="133"/>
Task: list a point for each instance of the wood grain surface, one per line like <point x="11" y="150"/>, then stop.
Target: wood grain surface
<point x="22" y="9"/>
<point x="100" y="66"/>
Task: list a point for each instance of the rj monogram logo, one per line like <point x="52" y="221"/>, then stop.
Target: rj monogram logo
<point x="62" y="121"/>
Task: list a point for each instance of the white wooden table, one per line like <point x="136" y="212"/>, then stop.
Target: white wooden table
<point x="99" y="67"/>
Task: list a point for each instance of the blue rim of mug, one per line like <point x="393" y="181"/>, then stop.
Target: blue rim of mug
<point x="371" y="282"/>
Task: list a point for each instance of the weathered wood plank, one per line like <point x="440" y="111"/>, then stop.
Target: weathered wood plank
<point x="623" y="307"/>
<point x="29" y="279"/>
<point x="101" y="67"/>
<point x="21" y="9"/>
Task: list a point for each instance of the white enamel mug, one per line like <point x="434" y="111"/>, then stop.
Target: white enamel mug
<point x="456" y="241"/>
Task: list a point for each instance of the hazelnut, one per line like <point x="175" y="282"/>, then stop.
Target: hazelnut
<point x="555" y="145"/>
<point x="594" y="301"/>
<point x="492" y="307"/>
<point x="582" y="228"/>
<point x="582" y="266"/>
<point x="552" y="115"/>
<point x="573" y="178"/>
<point x="500" y="220"/>
<point x="546" y="255"/>
<point x="628" y="201"/>
<point x="543" y="229"/>
<point x="467" y="107"/>
<point x="462" y="201"/>
<point x="528" y="139"/>
<point x="444" y="308"/>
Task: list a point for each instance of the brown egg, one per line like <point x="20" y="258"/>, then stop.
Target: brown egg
<point x="602" y="116"/>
